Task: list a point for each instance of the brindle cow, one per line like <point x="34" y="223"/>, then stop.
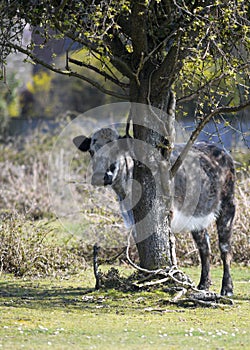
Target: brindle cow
<point x="114" y="167"/>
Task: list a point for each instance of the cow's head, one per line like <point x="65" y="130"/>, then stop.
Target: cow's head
<point x="104" y="151"/>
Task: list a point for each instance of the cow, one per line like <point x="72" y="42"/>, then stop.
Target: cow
<point x="112" y="166"/>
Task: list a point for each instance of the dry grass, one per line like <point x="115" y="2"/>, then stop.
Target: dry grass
<point x="23" y="176"/>
<point x="241" y="238"/>
<point x="30" y="249"/>
<point x="23" y="188"/>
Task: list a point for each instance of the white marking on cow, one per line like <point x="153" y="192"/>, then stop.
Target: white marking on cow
<point x="181" y="222"/>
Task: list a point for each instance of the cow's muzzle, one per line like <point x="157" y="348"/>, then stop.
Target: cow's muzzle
<point x="97" y="179"/>
<point x="108" y="179"/>
<point x="100" y="179"/>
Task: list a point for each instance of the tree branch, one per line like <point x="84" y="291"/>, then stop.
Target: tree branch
<point x="139" y="30"/>
<point x="119" y="56"/>
<point x="98" y="71"/>
<point x="68" y="73"/>
<point x="196" y="132"/>
<point x="77" y="37"/>
<point x="168" y="68"/>
<point x="196" y="93"/>
<point x="122" y="66"/>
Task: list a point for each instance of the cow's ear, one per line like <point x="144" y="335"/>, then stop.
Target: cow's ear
<point x="82" y="143"/>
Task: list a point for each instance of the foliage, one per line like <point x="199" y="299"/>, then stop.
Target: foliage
<point x="41" y="83"/>
<point x="9" y="104"/>
<point x="199" y="49"/>
<point x="40" y="89"/>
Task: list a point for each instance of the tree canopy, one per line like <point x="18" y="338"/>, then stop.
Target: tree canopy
<point x="199" y="49"/>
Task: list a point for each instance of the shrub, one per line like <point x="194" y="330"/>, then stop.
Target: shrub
<point x="23" y="177"/>
<point x="29" y="249"/>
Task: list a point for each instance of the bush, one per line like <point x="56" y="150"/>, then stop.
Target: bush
<point x="23" y="177"/>
<point x="29" y="249"/>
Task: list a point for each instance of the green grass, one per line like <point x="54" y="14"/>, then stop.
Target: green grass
<point x="66" y="314"/>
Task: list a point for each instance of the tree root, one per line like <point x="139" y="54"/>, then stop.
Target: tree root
<point x="172" y="280"/>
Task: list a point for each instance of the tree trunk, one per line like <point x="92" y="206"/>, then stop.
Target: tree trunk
<point x="153" y="129"/>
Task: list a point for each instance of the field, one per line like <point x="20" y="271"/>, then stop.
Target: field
<point x="47" y="296"/>
<point x="69" y="313"/>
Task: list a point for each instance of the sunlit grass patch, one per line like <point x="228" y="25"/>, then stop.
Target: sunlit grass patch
<point x="66" y="313"/>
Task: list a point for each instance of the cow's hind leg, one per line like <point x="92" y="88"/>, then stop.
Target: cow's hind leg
<point x="202" y="241"/>
<point x="224" y="226"/>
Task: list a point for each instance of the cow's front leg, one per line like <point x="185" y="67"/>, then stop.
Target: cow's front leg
<point x="202" y="241"/>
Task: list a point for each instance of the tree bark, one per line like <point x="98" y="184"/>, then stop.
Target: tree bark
<point x="152" y="214"/>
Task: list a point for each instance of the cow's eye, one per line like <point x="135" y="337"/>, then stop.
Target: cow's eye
<point x="112" y="167"/>
<point x="91" y="153"/>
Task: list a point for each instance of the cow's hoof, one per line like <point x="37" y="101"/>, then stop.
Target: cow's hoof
<point x="227" y="291"/>
<point x="204" y="285"/>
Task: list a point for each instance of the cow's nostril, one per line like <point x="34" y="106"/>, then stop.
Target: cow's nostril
<point x="108" y="179"/>
<point x="112" y="167"/>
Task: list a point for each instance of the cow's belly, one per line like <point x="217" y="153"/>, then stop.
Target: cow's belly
<point x="181" y="222"/>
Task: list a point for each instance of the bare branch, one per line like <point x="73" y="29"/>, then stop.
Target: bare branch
<point x="68" y="73"/>
<point x="122" y="66"/>
<point x="196" y="132"/>
<point x="196" y="93"/>
<point x="98" y="71"/>
<point x="77" y="37"/>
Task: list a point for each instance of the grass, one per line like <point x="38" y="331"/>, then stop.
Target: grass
<point x="67" y="313"/>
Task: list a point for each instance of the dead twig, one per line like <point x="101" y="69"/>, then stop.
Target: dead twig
<point x="95" y="265"/>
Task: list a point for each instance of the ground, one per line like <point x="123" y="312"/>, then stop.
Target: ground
<point x="69" y="313"/>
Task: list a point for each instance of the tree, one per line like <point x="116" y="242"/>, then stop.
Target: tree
<point x="152" y="51"/>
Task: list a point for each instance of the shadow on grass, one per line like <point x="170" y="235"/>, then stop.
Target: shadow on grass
<point x="15" y="295"/>
<point x="36" y="296"/>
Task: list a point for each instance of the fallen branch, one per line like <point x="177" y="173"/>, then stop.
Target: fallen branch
<point x="177" y="282"/>
<point x="205" y="299"/>
<point x="185" y="286"/>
